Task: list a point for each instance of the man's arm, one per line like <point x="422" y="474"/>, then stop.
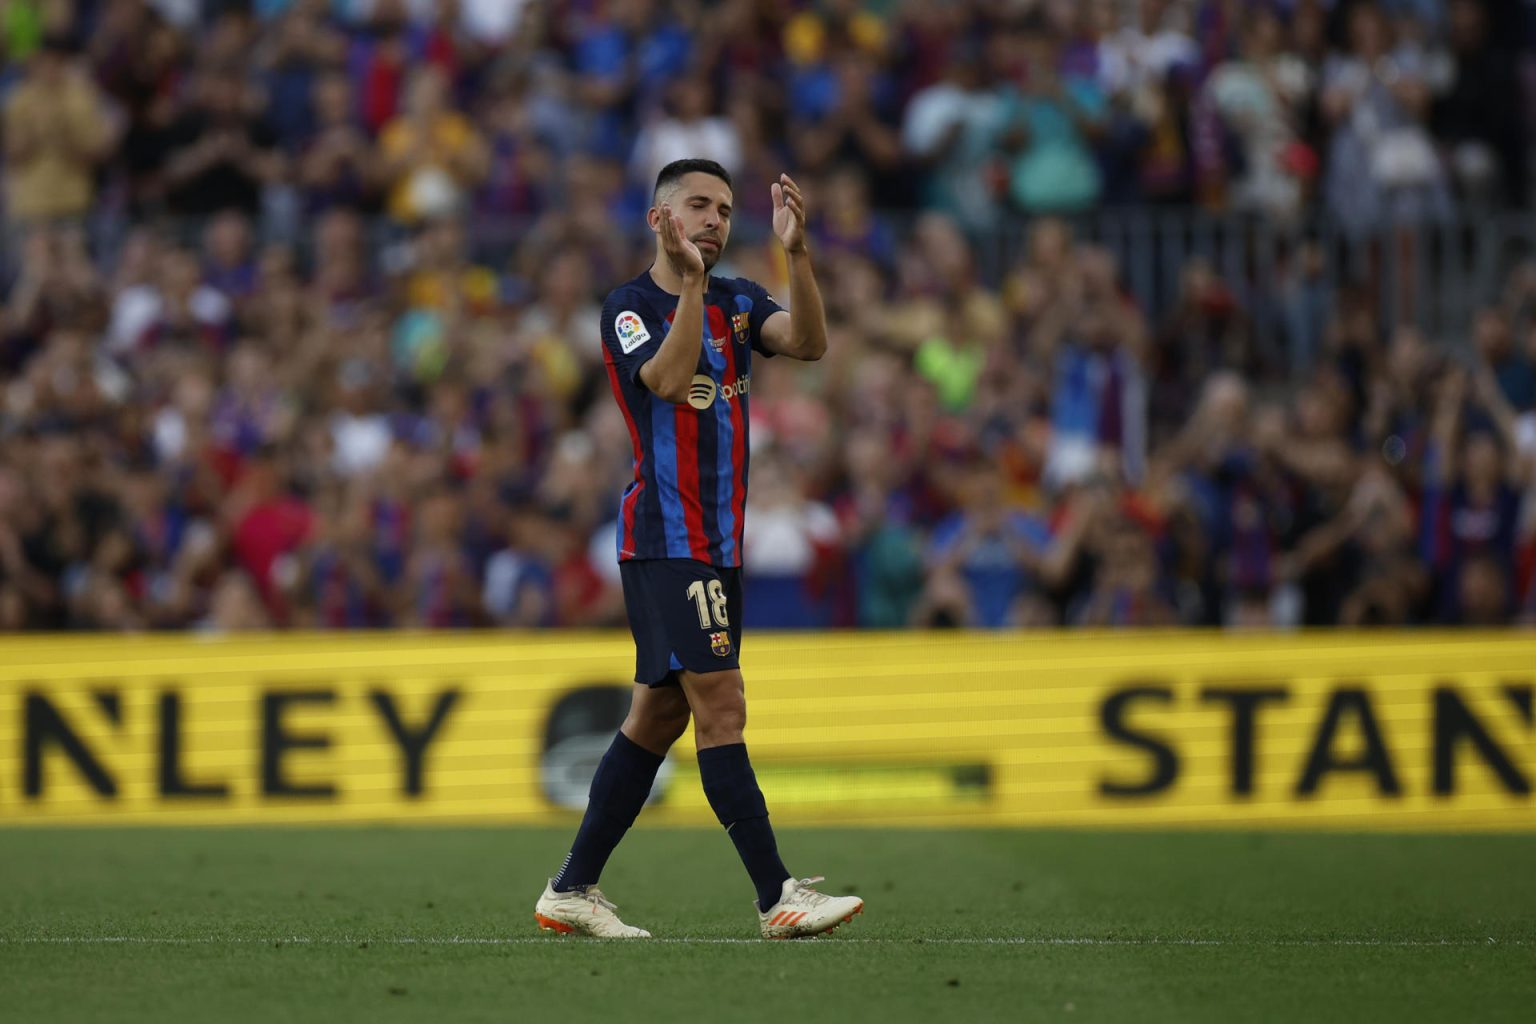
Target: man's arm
<point x="87" y="132"/>
<point x="21" y="141"/>
<point x="802" y="332"/>
<point x="670" y="371"/>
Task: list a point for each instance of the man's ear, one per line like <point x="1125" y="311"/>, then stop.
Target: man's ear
<point x="653" y="218"/>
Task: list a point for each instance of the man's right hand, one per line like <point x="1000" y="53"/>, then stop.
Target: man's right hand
<point x="683" y="255"/>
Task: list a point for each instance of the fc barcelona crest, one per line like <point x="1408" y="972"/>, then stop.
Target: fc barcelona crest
<point x="720" y="643"/>
<point x="740" y="324"/>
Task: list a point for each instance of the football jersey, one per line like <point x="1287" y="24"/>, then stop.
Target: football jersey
<point x="689" y="493"/>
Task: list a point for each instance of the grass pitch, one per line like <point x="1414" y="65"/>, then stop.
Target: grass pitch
<point x="435" y="924"/>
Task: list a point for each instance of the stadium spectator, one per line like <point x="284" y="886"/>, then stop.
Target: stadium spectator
<point x="520" y="150"/>
<point x="789" y="548"/>
<point x="57" y="285"/>
<point x="1094" y="343"/>
<point x="220" y="153"/>
<point x="335" y="160"/>
<point x="1129" y="588"/>
<point x="688" y="129"/>
<point x="291" y="59"/>
<point x="859" y="126"/>
<point x="1137" y="57"/>
<point x="1003" y="556"/>
<point x="883" y="545"/>
<point x="431" y="156"/>
<point x="1479" y="109"/>
<point x="1051" y="122"/>
<point x="56" y="132"/>
<point x="1259" y="97"/>
<point x="519" y="589"/>
<point x="171" y="307"/>
<point x="949" y="132"/>
<point x="1382" y="164"/>
<point x="1513" y="370"/>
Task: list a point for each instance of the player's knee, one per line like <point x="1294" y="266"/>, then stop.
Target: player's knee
<point x="657" y="723"/>
<point x="719" y="732"/>
<point x="655" y="735"/>
<point x="719" y="708"/>
<point x="667" y="725"/>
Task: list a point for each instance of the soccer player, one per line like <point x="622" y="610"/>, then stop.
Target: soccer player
<point x="678" y="345"/>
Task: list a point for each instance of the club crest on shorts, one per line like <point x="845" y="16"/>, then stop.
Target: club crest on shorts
<point x="720" y="643"/>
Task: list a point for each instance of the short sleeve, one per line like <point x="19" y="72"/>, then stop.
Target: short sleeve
<point x="603" y="55"/>
<point x="395" y="139"/>
<point x="924" y="125"/>
<point x="946" y="535"/>
<point x="1032" y="531"/>
<point x="631" y="335"/>
<point x="763" y="307"/>
<point x="1089" y="98"/>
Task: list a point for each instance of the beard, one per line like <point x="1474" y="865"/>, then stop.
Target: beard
<point x="710" y="256"/>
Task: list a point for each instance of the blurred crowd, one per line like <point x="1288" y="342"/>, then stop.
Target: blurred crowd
<point x="301" y="300"/>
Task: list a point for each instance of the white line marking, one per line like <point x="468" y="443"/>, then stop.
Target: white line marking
<point x="459" y="940"/>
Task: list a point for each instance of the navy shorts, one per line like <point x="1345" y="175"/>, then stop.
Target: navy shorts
<point x="684" y="615"/>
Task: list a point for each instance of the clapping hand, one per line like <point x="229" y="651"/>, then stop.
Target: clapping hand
<point x="788" y="214"/>
<point x="684" y="256"/>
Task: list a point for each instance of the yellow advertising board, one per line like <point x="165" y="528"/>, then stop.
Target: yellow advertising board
<point x="1341" y="730"/>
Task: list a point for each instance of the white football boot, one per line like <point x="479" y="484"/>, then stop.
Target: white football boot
<point x="582" y="912"/>
<point x="802" y="911"/>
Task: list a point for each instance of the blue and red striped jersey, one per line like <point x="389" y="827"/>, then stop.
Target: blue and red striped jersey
<point x="689" y="494"/>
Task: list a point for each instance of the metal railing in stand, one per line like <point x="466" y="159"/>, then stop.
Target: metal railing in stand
<point x="1432" y="275"/>
<point x="1435" y="276"/>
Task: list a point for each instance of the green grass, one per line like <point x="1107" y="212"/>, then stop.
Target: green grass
<point x="290" y="924"/>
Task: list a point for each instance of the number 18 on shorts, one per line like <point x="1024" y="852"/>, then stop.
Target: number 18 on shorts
<point x="684" y="615"/>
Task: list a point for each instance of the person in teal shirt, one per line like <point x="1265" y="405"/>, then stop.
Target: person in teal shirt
<point x="1052" y="120"/>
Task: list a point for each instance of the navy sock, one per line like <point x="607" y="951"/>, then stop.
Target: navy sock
<point x="619" y="789"/>
<point x="732" y="790"/>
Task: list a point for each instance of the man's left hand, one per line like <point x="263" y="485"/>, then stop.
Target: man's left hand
<point x="789" y="214"/>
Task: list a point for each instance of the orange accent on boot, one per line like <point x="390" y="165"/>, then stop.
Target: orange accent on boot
<point x="552" y="925"/>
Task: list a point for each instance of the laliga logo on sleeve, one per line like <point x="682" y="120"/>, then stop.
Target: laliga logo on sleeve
<point x="631" y="331"/>
<point x="701" y="393"/>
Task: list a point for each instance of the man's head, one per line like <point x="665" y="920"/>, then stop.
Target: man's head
<point x="1492" y="335"/>
<point x="690" y="99"/>
<point x="331" y="97"/>
<point x="1484" y="591"/>
<point x="1468" y="26"/>
<point x="223" y="95"/>
<point x="427" y="94"/>
<point x="227" y="239"/>
<point x="51" y="60"/>
<point x="699" y="192"/>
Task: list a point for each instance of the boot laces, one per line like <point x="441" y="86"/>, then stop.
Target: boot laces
<point x="592" y="894"/>
<point x="805" y="894"/>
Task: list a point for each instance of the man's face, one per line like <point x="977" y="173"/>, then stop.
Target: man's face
<point x="48" y="67"/>
<point x="1491" y="333"/>
<point x="703" y="202"/>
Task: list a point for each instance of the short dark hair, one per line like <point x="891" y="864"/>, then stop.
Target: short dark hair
<point x="674" y="172"/>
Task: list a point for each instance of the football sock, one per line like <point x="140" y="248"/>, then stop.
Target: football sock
<point x="732" y="790"/>
<point x="619" y="789"/>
